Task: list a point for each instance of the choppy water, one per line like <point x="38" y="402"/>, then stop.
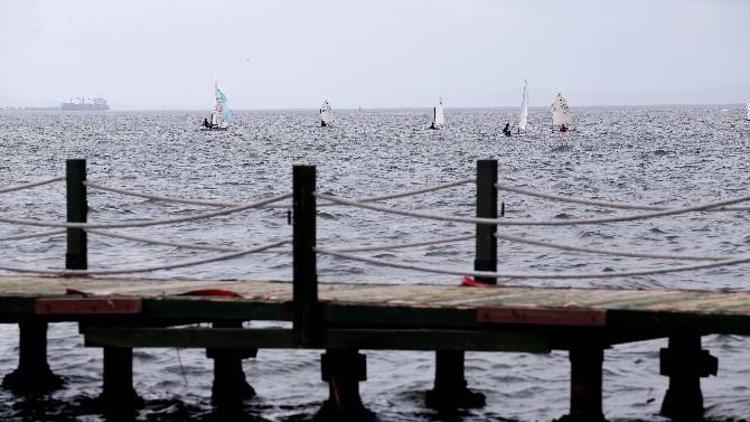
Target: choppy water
<point x="641" y="154"/>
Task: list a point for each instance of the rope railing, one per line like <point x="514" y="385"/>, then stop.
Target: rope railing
<point x="610" y="252"/>
<point x="30" y="185"/>
<point x="143" y="269"/>
<point x="152" y="241"/>
<point x="600" y="203"/>
<point x="741" y="259"/>
<point x="220" y="204"/>
<point x="520" y="222"/>
<point x="49" y="233"/>
<point x="145" y="223"/>
<point x="452" y="239"/>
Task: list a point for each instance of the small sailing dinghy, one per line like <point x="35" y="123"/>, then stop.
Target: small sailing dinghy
<point x="221" y="114"/>
<point x="748" y="110"/>
<point x="438" y="116"/>
<point x="562" y="117"/>
<point x="523" y="118"/>
<point x="326" y="115"/>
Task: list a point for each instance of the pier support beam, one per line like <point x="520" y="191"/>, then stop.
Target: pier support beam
<point x="33" y="374"/>
<point x="118" y="394"/>
<point x="343" y="369"/>
<point x="450" y="390"/>
<point x="684" y="362"/>
<point x="586" y="384"/>
<point x="230" y="387"/>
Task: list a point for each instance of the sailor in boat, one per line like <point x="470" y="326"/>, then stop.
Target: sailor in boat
<point x="506" y="130"/>
<point x="563" y="128"/>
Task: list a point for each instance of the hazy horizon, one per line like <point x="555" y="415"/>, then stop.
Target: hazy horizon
<point x="143" y="55"/>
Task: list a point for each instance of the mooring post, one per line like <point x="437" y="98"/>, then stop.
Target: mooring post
<point x="685" y="363"/>
<point x="76" y="256"/>
<point x="230" y="386"/>
<point x="450" y="389"/>
<point x="306" y="319"/>
<point x="343" y="369"/>
<point x="586" y="384"/>
<point x="486" y="242"/>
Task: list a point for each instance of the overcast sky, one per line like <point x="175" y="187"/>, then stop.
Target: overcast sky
<point x="150" y="54"/>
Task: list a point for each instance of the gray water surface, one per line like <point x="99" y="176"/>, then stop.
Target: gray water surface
<point x="659" y="155"/>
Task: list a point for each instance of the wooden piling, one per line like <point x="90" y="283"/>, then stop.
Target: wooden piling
<point x="586" y="384"/>
<point x="33" y="374"/>
<point x="306" y="319"/>
<point x="230" y="386"/>
<point x="684" y="362"/>
<point x="118" y="397"/>
<point x="343" y="369"/>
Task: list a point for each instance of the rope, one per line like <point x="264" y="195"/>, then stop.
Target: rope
<point x="607" y="251"/>
<point x="153" y="268"/>
<point x="599" y="203"/>
<point x="512" y="222"/>
<point x="49" y="233"/>
<point x="405" y="245"/>
<point x="163" y="242"/>
<point x="162" y="198"/>
<point x="144" y="223"/>
<point x="413" y="192"/>
<point x="234" y="204"/>
<point x="30" y="185"/>
<point x="550" y="275"/>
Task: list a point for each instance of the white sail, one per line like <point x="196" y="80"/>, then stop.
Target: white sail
<point x="438" y="115"/>
<point x="561" y="114"/>
<point x="748" y="110"/>
<point x="326" y="115"/>
<point x="523" y="119"/>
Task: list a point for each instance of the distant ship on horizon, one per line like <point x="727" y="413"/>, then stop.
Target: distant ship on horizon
<point x="85" y="104"/>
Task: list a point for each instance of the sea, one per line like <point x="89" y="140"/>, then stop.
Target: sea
<point x="663" y="155"/>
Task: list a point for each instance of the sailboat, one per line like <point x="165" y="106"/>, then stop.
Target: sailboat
<point x="221" y="114"/>
<point x="326" y="115"/>
<point x="523" y="118"/>
<point x="562" y="117"/>
<point x="438" y="116"/>
<point x="748" y="110"/>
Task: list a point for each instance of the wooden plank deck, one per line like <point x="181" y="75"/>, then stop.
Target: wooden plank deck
<point x="559" y="316"/>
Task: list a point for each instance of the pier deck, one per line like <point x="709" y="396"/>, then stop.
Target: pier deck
<point x="370" y="316"/>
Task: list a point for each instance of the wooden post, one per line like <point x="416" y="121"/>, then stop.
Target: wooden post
<point x="486" y="242"/>
<point x="76" y="257"/>
<point x="586" y="384"/>
<point x="343" y="369"/>
<point x="230" y="387"/>
<point x="117" y="387"/>
<point x="450" y="389"/>
<point x="33" y="374"/>
<point x="685" y="363"/>
<point x="306" y="319"/>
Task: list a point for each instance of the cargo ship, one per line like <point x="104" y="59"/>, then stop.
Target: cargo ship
<point x="85" y="104"/>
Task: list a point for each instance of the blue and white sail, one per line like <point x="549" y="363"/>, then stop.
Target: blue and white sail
<point x="523" y="118"/>
<point x="221" y="114"/>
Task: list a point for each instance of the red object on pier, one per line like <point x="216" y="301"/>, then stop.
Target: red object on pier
<point x="105" y="305"/>
<point x="470" y="282"/>
<point x="211" y="292"/>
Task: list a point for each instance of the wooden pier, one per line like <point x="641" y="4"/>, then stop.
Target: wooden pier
<point x="119" y="314"/>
